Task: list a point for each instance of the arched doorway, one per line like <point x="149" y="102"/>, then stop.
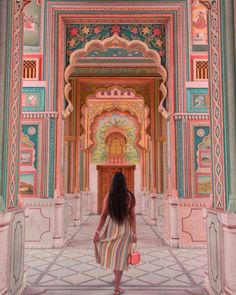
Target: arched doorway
<point x="115" y="94"/>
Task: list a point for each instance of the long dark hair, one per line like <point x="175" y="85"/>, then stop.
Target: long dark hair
<point x="118" y="204"/>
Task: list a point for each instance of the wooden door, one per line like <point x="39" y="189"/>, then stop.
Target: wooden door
<point x="105" y="174"/>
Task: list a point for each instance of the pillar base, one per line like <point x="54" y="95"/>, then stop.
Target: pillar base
<point x="60" y="226"/>
<point x="173" y="222"/>
<point x="73" y="209"/>
<point x="12" y="232"/>
<point x="221" y="237"/>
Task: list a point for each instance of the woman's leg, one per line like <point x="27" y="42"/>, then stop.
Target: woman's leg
<point x="118" y="276"/>
<point x="114" y="280"/>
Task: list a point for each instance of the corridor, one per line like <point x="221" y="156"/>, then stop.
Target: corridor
<point x="72" y="269"/>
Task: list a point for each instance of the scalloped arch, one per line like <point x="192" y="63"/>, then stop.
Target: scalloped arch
<point x="115" y="41"/>
<point x="96" y="111"/>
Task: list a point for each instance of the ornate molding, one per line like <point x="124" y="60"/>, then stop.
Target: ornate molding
<point x="38" y="115"/>
<point x="38" y="202"/>
<point x="191" y="116"/>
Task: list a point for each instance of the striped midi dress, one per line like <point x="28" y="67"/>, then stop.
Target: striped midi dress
<point x="112" y="250"/>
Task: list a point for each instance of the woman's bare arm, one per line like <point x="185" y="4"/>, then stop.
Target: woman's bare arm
<point x="102" y="218"/>
<point x="132" y="220"/>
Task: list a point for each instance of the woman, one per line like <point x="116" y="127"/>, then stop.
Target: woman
<point x="113" y="247"/>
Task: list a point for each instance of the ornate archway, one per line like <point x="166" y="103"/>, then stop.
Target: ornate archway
<point x="150" y="56"/>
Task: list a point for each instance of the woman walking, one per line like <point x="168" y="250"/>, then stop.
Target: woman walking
<point x="112" y="249"/>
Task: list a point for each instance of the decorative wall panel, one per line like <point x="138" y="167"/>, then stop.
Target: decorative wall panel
<point x="41" y="217"/>
<point x="31" y="159"/>
<point x="200" y="160"/>
<point x="198" y="100"/>
<point x="192" y="228"/>
<point x="33" y="99"/>
<point x="154" y="35"/>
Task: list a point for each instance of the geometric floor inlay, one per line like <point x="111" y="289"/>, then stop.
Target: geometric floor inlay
<point x="72" y="269"/>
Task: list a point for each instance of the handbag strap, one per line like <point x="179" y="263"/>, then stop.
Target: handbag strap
<point x="133" y="247"/>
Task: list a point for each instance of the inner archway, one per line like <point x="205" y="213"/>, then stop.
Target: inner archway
<point x="112" y="94"/>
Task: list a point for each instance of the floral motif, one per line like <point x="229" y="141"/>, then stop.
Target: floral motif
<point x="86" y="30"/>
<point x="145" y="30"/>
<point x="71" y="42"/>
<point x="115" y="29"/>
<point x="97" y="30"/>
<point x="74" y="31"/>
<point x="156" y="31"/>
<point x="134" y="30"/>
<point x="159" y="42"/>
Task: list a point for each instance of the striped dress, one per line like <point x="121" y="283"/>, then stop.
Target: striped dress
<point x="112" y="249"/>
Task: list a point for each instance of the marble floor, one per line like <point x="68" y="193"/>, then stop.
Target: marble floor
<point x="72" y="269"/>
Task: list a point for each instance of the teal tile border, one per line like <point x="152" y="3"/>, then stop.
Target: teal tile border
<point x="190" y="107"/>
<point x="41" y="92"/>
<point x="51" y="174"/>
<point x="180" y="163"/>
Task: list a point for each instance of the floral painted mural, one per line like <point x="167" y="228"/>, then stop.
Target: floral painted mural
<point x="202" y="169"/>
<point x="28" y="160"/>
<point x="110" y="121"/>
<point x="32" y="15"/>
<point x="199" y="23"/>
<point x="154" y="35"/>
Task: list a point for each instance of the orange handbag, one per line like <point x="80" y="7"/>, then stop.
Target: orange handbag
<point x="134" y="255"/>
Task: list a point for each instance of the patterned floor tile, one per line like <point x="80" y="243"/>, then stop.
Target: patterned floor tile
<point x="153" y="279"/>
<point x="82" y="267"/>
<point x="78" y="278"/>
<point x="61" y="273"/>
<point x="73" y="270"/>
